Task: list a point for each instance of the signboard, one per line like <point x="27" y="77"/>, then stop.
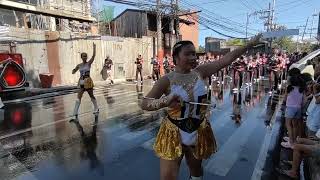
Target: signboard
<point x="281" y="33"/>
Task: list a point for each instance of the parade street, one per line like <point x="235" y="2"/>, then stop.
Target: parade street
<point x="38" y="141"/>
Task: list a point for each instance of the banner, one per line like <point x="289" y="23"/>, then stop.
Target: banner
<point x="281" y="33"/>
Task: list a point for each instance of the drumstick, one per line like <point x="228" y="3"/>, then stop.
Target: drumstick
<point x="194" y="103"/>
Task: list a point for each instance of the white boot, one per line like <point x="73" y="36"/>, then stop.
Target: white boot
<point x="1" y="104"/>
<point x="76" y="107"/>
<point x="95" y="106"/>
<point x="195" y="178"/>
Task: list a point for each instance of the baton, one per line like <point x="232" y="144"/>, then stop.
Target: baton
<point x="193" y="103"/>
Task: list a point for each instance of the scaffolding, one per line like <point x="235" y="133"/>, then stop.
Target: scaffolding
<point x="61" y="15"/>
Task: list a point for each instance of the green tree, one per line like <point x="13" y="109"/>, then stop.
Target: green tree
<point x="306" y="47"/>
<point x="201" y="49"/>
<point x="235" y="42"/>
<point x="285" y="43"/>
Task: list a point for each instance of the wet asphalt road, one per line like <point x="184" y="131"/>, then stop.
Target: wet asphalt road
<point x="37" y="141"/>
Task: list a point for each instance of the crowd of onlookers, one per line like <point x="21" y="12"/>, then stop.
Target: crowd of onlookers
<point x="302" y="117"/>
<point x="301" y="103"/>
<point x="301" y="107"/>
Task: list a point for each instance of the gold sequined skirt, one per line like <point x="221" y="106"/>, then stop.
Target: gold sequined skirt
<point x="168" y="142"/>
<point x="86" y="83"/>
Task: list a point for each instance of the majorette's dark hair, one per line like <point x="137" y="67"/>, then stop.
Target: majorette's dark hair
<point x="178" y="47"/>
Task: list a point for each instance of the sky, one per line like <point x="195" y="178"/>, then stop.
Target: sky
<point x="291" y="13"/>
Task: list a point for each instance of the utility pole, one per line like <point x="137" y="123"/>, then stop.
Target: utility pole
<point x="247" y="24"/>
<point x="159" y="36"/>
<point x="269" y="19"/>
<point x="304" y="31"/>
<point x="273" y="14"/>
<point x="177" y="21"/>
<point x="255" y="13"/>
<point x="173" y="17"/>
<point x="318" y="34"/>
<point x="298" y="48"/>
<point x="312" y="22"/>
<point x="269" y="26"/>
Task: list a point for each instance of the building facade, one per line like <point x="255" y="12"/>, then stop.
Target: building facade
<point x="138" y="23"/>
<point x="214" y="44"/>
<point x="53" y="15"/>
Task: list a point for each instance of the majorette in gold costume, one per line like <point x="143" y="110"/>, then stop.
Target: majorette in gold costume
<point x="185" y="130"/>
<point x="168" y="145"/>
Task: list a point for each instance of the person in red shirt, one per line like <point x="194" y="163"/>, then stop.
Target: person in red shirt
<point x="264" y="64"/>
<point x="275" y="69"/>
<point x="285" y="62"/>
<point x="155" y="69"/>
<point x="239" y="68"/>
<point x="250" y="69"/>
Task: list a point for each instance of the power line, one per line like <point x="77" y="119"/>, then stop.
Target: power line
<point x="218" y="18"/>
<point x="292" y="7"/>
<point x="246" y="4"/>
<point x="218" y="32"/>
<point x="131" y="3"/>
<point x="288" y="3"/>
<point x="221" y="18"/>
<point x="258" y="4"/>
<point x="214" y="2"/>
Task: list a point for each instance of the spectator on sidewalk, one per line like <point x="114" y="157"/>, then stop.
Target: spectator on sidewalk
<point x="293" y="112"/>
<point x="313" y="122"/>
<point x="316" y="66"/>
<point x="307" y="147"/>
<point x="303" y="148"/>
<point x="307" y="83"/>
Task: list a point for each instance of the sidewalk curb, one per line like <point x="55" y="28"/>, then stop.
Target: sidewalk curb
<point x="38" y="91"/>
<point x="270" y="155"/>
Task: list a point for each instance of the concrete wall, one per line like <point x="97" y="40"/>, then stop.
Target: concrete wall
<point x="31" y="44"/>
<point x="59" y="52"/>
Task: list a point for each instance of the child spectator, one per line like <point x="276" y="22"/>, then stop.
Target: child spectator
<point x="293" y="112"/>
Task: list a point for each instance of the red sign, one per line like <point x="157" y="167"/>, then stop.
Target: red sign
<point x="12" y="71"/>
<point x="15" y="57"/>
